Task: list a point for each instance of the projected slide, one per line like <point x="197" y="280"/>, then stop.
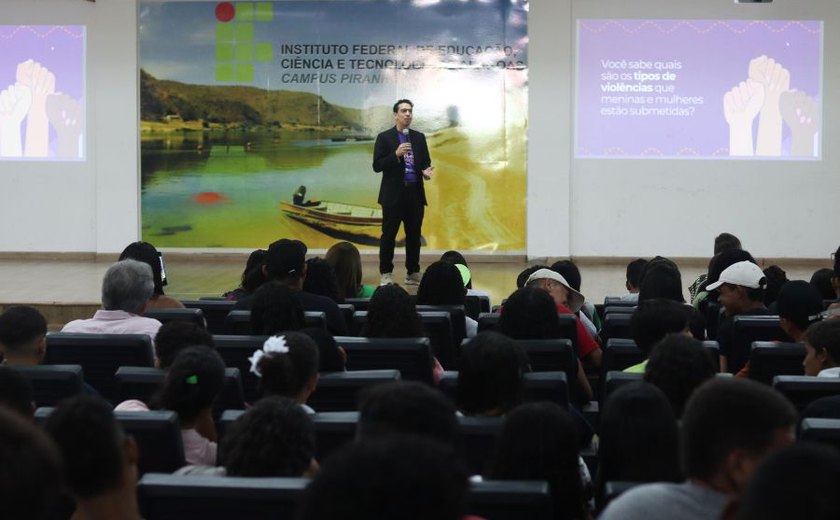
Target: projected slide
<point x="42" y="88"/>
<point x="699" y="89"/>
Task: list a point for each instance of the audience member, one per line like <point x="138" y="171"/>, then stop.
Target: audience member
<point x="723" y="242"/>
<point x="126" y="289"/>
<point x="633" y="275"/>
<point x="539" y="441"/>
<point x="100" y="460"/>
<point x="274" y="438"/>
<point x="442" y="285"/>
<point x="345" y="259"/>
<point x="661" y="279"/>
<point x="797" y="482"/>
<point x="530" y="313"/>
<point x="146" y="253"/>
<point x="252" y="277"/>
<point x="741" y="287"/>
<point x="285" y="262"/>
<point x="321" y="279"/>
<point x="799" y="305"/>
<point x="16" y="392"/>
<point x="392" y="314"/>
<point x="176" y="335"/>
<point x="406" y="407"/>
<point x="677" y="365"/>
<point x="276" y="308"/>
<point x="331" y="356"/>
<point x="776" y="278"/>
<point x="191" y="386"/>
<point x="821" y="280"/>
<point x="30" y="469"/>
<point x="23" y="336"/>
<point x="567" y="301"/>
<point x="570" y="272"/>
<point x="652" y="321"/>
<point x="405" y="477"/>
<point x="639" y="439"/>
<point x="728" y="427"/>
<point x="822" y="349"/>
<point x="522" y="277"/>
<point x="717" y="265"/>
<point x="287" y="366"/>
<point x="490" y="372"/>
<point x="454" y="257"/>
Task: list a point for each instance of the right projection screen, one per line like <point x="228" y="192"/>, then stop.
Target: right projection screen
<point x="699" y="89"/>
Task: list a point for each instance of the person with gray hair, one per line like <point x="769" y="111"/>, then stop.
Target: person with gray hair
<point x="126" y="289"/>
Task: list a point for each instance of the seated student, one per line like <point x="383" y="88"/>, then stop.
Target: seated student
<point x="539" y="441"/>
<point x="126" y="289"/>
<point x="16" y="392"/>
<point x="728" y="427"/>
<point x="100" y="460"/>
<point x="321" y="279"/>
<point x="252" y="276"/>
<point x="406" y="407"/>
<point x="530" y="313"/>
<point x="176" y="335"/>
<point x="717" y="265"/>
<point x="776" y="278"/>
<point x="276" y="308"/>
<point x="454" y="257"/>
<point x="146" y="253"/>
<point x="567" y="301"/>
<point x="404" y="476"/>
<point x="442" y="285"/>
<point x="638" y="439"/>
<point x="633" y="275"/>
<point x="677" y="365"/>
<point x="345" y="259"/>
<point x="796" y="482"/>
<point x="822" y="349"/>
<point x="191" y="385"/>
<point x="741" y="287"/>
<point x="30" y="469"/>
<point x="526" y="273"/>
<point x="490" y="372"/>
<point x="274" y="438"/>
<point x="821" y="280"/>
<point x="569" y="270"/>
<point x="661" y="279"/>
<point x="331" y="356"/>
<point x="23" y="336"/>
<point x="652" y="321"/>
<point x="287" y="366"/>
<point x="723" y="242"/>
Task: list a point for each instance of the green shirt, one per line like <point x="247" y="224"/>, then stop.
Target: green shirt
<point x="637" y="369"/>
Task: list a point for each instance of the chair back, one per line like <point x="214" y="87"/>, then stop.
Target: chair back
<point x="215" y="312"/>
<point x="769" y="359"/>
<point x="411" y="356"/>
<point x="52" y="383"/>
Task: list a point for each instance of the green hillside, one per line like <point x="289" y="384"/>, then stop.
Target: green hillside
<point x="241" y="105"/>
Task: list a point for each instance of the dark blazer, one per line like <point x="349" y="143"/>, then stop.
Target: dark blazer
<point x="393" y="168"/>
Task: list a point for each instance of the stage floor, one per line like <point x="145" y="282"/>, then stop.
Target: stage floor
<point x="66" y="289"/>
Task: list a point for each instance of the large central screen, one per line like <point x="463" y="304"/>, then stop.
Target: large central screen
<point x="699" y="89"/>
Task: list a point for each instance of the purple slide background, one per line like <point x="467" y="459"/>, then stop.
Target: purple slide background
<point x="61" y="49"/>
<point x="715" y="56"/>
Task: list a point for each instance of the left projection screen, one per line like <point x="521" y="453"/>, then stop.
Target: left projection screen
<point x="42" y="92"/>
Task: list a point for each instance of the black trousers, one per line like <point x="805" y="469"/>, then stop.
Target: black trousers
<point x="409" y="211"/>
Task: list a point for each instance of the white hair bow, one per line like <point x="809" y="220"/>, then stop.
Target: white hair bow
<point x="273" y="345"/>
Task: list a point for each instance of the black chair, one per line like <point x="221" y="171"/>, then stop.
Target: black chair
<point x="347" y="310"/>
<point x="551" y="355"/>
<point x="332" y="429"/>
<point x="235" y="351"/>
<point x="619" y="309"/>
<point x="616" y="301"/>
<point x="158" y="436"/>
<point x="142" y="382"/>
<point x="52" y="383"/>
<point x="215" y="312"/>
<point x="176" y="497"/>
<point x="359" y="304"/>
<point x="769" y="359"/>
<point x="803" y="390"/>
<point x="488" y="321"/>
<point x="474" y="305"/>
<point x="746" y="330"/>
<point x="820" y="430"/>
<point x="411" y="356"/>
<point x="338" y="391"/>
<point x="616" y="326"/>
<point x="438" y="327"/>
<point x="100" y="355"/>
<point x="166" y="315"/>
<point x="620" y="353"/>
<point x="539" y="386"/>
<point x="238" y="322"/>
<point x="510" y="500"/>
<point x="477" y="441"/>
<point x="615" y="380"/>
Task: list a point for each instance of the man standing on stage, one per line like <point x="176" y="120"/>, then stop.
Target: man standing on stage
<point x="403" y="158"/>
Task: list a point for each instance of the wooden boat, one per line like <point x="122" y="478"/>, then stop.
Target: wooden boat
<point x="360" y="224"/>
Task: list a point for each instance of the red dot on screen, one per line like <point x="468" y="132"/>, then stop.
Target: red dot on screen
<point x="225" y="11"/>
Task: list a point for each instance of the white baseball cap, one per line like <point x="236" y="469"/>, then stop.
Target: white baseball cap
<point x="745" y="274"/>
<point x="575" y="300"/>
